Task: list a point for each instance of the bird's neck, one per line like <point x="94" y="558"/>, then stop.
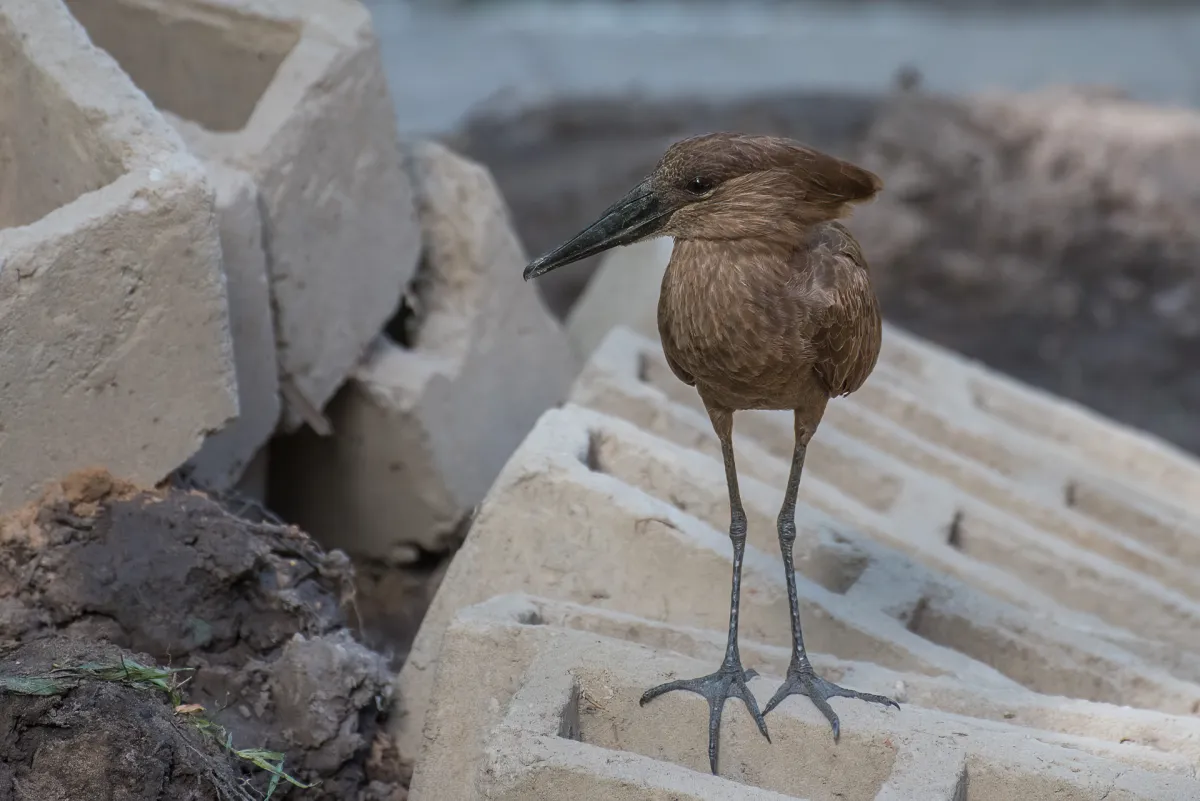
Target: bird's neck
<point x="724" y="271"/>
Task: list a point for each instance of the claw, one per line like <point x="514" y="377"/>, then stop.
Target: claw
<point x="819" y="691"/>
<point x="716" y="688"/>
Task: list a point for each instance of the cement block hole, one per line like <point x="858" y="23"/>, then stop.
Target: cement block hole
<point x="823" y="557"/>
<point x="206" y="64"/>
<point x="49" y="154"/>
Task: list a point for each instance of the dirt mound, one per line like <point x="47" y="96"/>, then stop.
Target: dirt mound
<point x="99" y="739"/>
<point x="258" y="610"/>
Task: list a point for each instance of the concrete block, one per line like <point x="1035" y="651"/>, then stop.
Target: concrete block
<point x="924" y="498"/>
<point x="113" y="309"/>
<point x="226" y="455"/>
<point x="1058" y="448"/>
<point x="291" y="92"/>
<point x="423" y="428"/>
<point x="537" y="699"/>
<point x="1081" y="437"/>
<point x="593" y="510"/>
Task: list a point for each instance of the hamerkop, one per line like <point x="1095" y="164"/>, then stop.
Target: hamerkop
<point x="766" y="304"/>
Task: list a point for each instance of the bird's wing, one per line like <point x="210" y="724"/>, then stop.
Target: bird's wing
<point x="845" y="327"/>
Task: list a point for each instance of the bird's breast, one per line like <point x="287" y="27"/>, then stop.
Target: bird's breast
<point x="723" y="323"/>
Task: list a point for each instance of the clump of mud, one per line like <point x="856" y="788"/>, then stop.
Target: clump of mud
<point x="259" y="612"/>
<point x="100" y="739"/>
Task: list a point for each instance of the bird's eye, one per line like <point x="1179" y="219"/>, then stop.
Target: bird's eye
<point x="699" y="185"/>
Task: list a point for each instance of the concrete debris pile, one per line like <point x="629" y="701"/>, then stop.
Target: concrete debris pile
<point x="1019" y="572"/>
<point x="219" y="269"/>
<point x="210" y="236"/>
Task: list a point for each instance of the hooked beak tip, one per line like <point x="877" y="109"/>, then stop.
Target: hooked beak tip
<point x="532" y="270"/>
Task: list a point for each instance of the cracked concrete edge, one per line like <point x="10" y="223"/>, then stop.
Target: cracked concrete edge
<point x="632" y="551"/>
<point x="1057" y="442"/>
<point x="936" y="504"/>
<point x="225" y="456"/>
<point x="157" y="323"/>
<point x="413" y="450"/>
<point x="535" y="695"/>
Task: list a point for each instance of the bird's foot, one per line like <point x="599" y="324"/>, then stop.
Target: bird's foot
<point x="727" y="682"/>
<point x="803" y="681"/>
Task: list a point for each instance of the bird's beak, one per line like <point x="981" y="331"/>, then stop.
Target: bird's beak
<point x="636" y="216"/>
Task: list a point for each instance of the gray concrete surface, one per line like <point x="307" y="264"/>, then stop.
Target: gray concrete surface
<point x="441" y="63"/>
<point x="114" y="316"/>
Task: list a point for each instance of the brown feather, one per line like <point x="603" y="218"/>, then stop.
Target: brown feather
<point x="767" y="301"/>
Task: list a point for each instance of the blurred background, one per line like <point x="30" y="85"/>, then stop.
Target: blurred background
<point x="1045" y="230"/>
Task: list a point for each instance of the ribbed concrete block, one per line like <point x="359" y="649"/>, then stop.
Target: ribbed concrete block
<point x="1101" y="450"/>
<point x="537" y="699"/>
<point x="593" y="510"/>
<point x="113" y="311"/>
<point x="423" y="428"/>
<point x="292" y="93"/>
<point x="924" y="499"/>
<point x="1057" y="448"/>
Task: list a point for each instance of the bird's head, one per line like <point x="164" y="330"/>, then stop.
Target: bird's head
<point x="724" y="186"/>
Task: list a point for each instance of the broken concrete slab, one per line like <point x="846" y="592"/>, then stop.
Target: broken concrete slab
<point x="293" y="94"/>
<point x="593" y="510"/>
<point x="113" y="306"/>
<point x="536" y="696"/>
<point x="437" y="407"/>
<point x="226" y="455"/>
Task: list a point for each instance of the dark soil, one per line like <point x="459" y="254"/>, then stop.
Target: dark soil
<point x="101" y="739"/>
<point x="259" y="610"/>
<point x="1046" y="246"/>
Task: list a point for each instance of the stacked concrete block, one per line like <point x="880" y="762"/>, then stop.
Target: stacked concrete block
<point x="425" y="423"/>
<point x="292" y="94"/>
<point x="113" y="312"/>
<point x="980" y="594"/>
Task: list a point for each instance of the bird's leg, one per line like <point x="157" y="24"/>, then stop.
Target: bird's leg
<point x="730" y="679"/>
<point x="801" y="679"/>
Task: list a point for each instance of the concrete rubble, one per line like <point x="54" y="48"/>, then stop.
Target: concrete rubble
<point x="242" y="247"/>
<point x="947" y="559"/>
<point x="429" y="418"/>
<point x="113" y="306"/>
<point x="293" y="95"/>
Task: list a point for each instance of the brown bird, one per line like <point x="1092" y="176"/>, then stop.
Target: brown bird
<point x="766" y="303"/>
